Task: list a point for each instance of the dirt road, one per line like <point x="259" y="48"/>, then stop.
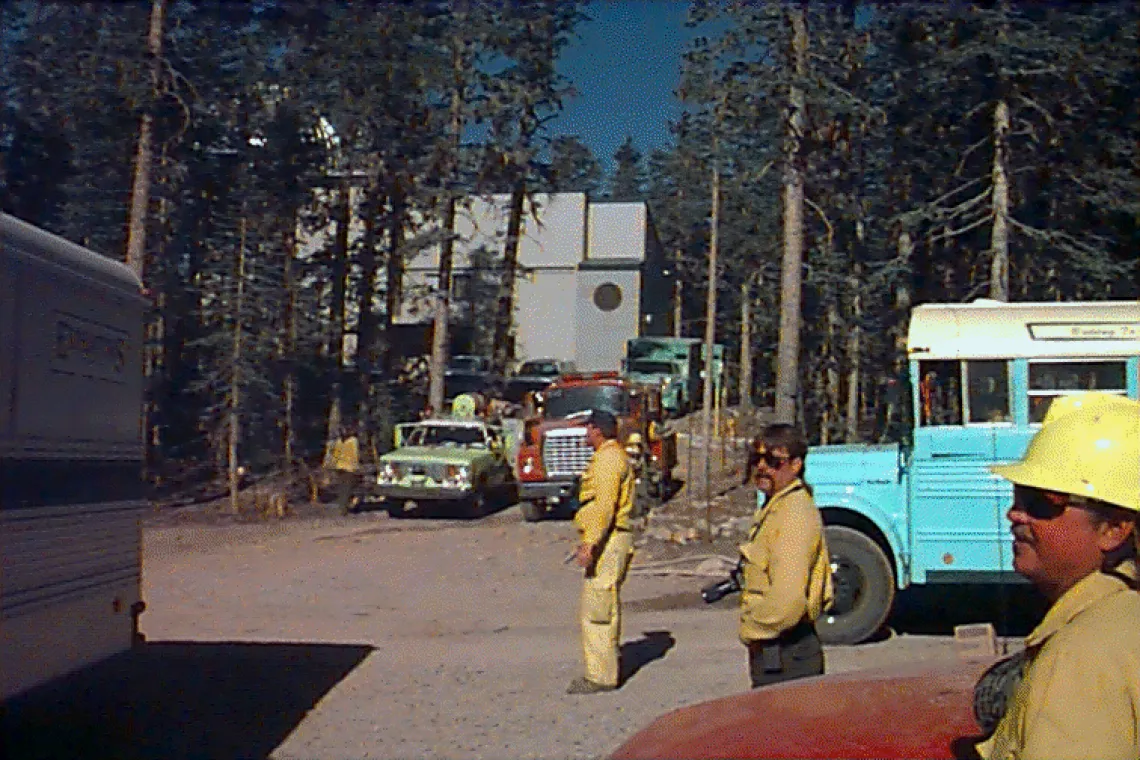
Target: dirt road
<point x="470" y="629"/>
<point x="367" y="636"/>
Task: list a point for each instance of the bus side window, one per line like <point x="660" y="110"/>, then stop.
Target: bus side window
<point x="1049" y="379"/>
<point x="940" y="393"/>
<point x="989" y="391"/>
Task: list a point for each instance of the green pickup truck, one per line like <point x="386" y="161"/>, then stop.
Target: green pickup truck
<point x="446" y="460"/>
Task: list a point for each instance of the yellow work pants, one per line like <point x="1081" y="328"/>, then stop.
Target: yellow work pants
<point x="601" y="609"/>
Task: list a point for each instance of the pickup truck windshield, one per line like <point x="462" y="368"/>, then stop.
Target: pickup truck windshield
<point x="447" y="435"/>
<point x="563" y="402"/>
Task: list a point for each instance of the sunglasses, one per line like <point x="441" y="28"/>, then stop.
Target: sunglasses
<point x="775" y="461"/>
<point x="1038" y="504"/>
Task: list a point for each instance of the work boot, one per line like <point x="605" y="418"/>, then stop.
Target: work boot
<point x="586" y="686"/>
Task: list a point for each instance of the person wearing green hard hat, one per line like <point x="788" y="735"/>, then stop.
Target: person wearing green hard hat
<point x="1076" y="498"/>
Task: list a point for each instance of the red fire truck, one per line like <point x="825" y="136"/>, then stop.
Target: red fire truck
<point x="553" y="452"/>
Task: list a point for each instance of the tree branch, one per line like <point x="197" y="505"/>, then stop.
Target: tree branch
<point x="1026" y="100"/>
<point x="961" y="230"/>
<point x="823" y="217"/>
<point x="964" y="206"/>
<point x="966" y="153"/>
<point x="870" y="107"/>
<point x="945" y="196"/>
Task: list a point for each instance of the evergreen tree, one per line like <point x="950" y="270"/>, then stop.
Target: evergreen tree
<point x="573" y="168"/>
<point x="628" y="180"/>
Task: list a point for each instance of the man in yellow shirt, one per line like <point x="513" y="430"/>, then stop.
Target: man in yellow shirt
<point x="604" y="551"/>
<point x="785" y="566"/>
<point x="344" y="460"/>
<point x="1076" y="496"/>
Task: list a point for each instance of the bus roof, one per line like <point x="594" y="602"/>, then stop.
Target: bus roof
<point x="22" y="239"/>
<point x="986" y="329"/>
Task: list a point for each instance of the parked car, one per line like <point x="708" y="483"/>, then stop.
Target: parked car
<point x="534" y="375"/>
<point x="463" y="462"/>
<point x="468" y="373"/>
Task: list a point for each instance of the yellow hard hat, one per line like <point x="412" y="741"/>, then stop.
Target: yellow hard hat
<point x="1089" y="449"/>
<point x="1063" y="405"/>
<point x="633" y="440"/>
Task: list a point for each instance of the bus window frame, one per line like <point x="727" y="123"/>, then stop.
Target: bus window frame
<point x="1031" y="393"/>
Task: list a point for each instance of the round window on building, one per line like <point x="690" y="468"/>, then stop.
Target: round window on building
<point x="607" y="296"/>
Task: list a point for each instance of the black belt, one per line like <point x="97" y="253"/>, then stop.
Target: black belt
<point x="797" y="632"/>
<point x="622" y="530"/>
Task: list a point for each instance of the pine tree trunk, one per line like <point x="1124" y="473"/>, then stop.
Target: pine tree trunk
<point x="999" y="238"/>
<point x="336" y="334"/>
<point x="903" y="298"/>
<point x="504" y="350"/>
<point x="678" y="296"/>
<point x="745" y="347"/>
<point x="830" y="390"/>
<point x="140" y="188"/>
<point x="441" y="332"/>
<point x="854" y="362"/>
<point x="289" y="347"/>
<point x="366" y="330"/>
<point x="136" y="234"/>
<point x="710" y="341"/>
<point x="788" y="349"/>
<point x="394" y="272"/>
<point x="155" y="367"/>
<point x="234" y="426"/>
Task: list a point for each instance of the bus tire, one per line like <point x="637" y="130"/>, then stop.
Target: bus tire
<point x="864" y="587"/>
<point x="532" y="511"/>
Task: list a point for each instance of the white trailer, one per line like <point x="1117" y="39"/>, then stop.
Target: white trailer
<point x="71" y="490"/>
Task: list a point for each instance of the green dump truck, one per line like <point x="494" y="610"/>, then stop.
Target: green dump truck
<point x="675" y="365"/>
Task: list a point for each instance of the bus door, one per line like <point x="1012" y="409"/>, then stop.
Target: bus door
<point x="957" y="505"/>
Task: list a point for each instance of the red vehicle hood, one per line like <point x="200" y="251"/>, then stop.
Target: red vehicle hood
<point x="916" y="711"/>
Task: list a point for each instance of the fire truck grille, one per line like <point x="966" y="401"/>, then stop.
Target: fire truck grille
<point x="565" y="452"/>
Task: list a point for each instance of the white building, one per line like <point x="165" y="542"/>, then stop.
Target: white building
<point x="591" y="276"/>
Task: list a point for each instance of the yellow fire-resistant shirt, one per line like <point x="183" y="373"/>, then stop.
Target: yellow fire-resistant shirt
<point x="345" y="455"/>
<point x="1080" y="695"/>
<point x="787" y="570"/>
<point x="606" y="494"/>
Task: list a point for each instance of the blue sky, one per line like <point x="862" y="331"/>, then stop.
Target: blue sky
<point x="626" y="65"/>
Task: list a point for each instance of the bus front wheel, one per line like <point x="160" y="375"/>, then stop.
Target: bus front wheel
<point x="864" y="587"/>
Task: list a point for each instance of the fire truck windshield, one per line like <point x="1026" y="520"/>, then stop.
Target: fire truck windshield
<point x="563" y="402"/>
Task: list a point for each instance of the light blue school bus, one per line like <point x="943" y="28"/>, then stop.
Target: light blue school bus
<point x="927" y="509"/>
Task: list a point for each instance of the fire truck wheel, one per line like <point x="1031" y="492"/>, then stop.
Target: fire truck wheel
<point x="864" y="587"/>
<point x="532" y="511"/>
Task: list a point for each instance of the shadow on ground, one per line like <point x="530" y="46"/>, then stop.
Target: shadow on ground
<point x="431" y="509"/>
<point x="638" y="653"/>
<point x="934" y="609"/>
<point x="175" y="700"/>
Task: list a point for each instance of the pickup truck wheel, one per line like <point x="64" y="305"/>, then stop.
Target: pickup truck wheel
<point x="864" y="587"/>
<point x="532" y="511"/>
<point x="397" y="508"/>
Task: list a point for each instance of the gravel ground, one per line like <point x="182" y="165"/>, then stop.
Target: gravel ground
<point x="369" y="637"/>
<point x="466" y="632"/>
